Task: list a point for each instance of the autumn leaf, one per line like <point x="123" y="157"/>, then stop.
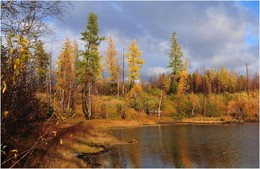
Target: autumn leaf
<point x="14" y="151"/>
<point x="6" y="114"/>
<point x="54" y="133"/>
<point x="11" y="50"/>
<point x="4" y="88"/>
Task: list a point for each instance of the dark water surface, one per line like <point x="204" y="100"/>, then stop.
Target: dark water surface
<point x="186" y="146"/>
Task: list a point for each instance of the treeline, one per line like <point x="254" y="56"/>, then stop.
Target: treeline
<point x="208" y="81"/>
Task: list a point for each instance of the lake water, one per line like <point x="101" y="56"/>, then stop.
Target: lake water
<point x="185" y="146"/>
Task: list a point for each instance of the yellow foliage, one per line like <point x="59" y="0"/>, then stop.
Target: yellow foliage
<point x="112" y="61"/>
<point x="135" y="61"/>
<point x="6" y="114"/>
<point x="11" y="50"/>
<point x="136" y="90"/>
<point x="54" y="133"/>
<point x="4" y="88"/>
<point x="183" y="84"/>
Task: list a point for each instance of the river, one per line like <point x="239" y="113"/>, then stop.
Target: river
<point x="206" y="146"/>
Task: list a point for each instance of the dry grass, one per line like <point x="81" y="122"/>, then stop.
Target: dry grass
<point x="204" y="120"/>
<point x="88" y="136"/>
<point x="72" y="138"/>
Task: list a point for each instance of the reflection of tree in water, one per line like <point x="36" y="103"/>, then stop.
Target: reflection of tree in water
<point x="117" y="157"/>
<point x="207" y="148"/>
<point x="133" y="150"/>
<point x="169" y="150"/>
<point x="134" y="154"/>
<point x="184" y="151"/>
<point x="185" y="146"/>
<point x="177" y="153"/>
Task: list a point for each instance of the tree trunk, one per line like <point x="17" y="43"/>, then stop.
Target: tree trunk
<point x="69" y="98"/>
<point x="123" y="74"/>
<point x="50" y="87"/>
<point x="193" y="108"/>
<point x="160" y="102"/>
<point x="89" y="111"/>
<point x="84" y="104"/>
<point x="118" y="87"/>
<point x="247" y="80"/>
<point x="63" y="101"/>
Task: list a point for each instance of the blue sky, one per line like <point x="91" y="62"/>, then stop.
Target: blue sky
<point x="252" y="6"/>
<point x="212" y="34"/>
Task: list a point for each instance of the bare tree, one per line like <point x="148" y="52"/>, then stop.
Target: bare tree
<point x="28" y="18"/>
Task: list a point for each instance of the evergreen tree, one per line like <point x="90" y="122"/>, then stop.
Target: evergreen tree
<point x="41" y="64"/>
<point x="176" y="62"/>
<point x="90" y="66"/>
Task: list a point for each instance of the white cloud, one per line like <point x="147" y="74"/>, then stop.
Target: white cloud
<point x="213" y="32"/>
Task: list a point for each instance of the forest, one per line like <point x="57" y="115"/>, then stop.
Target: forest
<point x="37" y="93"/>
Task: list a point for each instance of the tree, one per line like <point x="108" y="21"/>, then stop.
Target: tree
<point x="176" y="62"/>
<point x="65" y="76"/>
<point x="112" y="64"/>
<point x="26" y="18"/>
<point x="41" y="64"/>
<point x="89" y="66"/>
<point x="135" y="61"/>
<point x="255" y="82"/>
<point x="18" y="89"/>
<point x="22" y="24"/>
<point x="224" y="79"/>
<point x="183" y="84"/>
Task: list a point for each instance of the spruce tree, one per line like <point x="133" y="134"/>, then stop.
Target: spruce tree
<point x="41" y="64"/>
<point x="176" y="63"/>
<point x="90" y="66"/>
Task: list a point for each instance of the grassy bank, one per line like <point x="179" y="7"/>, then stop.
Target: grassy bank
<point x="81" y="136"/>
<point x="78" y="136"/>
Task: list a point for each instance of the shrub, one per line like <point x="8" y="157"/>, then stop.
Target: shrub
<point x="243" y="106"/>
<point x="108" y="107"/>
<point x="168" y="108"/>
<point x="133" y="114"/>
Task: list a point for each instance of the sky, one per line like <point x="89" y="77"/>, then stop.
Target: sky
<point x="212" y="34"/>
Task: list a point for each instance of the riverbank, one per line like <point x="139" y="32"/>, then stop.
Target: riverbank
<point x="77" y="137"/>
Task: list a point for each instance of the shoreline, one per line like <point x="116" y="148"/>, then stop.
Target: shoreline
<point x="85" y="137"/>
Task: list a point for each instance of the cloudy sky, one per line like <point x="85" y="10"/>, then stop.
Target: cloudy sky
<point x="212" y="34"/>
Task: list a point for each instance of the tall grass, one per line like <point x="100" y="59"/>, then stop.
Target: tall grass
<point x="235" y="105"/>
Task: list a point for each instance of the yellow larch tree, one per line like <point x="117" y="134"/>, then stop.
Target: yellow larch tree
<point x="66" y="76"/>
<point x="112" y="64"/>
<point x="135" y="61"/>
<point x="183" y="84"/>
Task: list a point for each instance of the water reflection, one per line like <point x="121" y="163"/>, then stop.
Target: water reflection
<point x="186" y="146"/>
